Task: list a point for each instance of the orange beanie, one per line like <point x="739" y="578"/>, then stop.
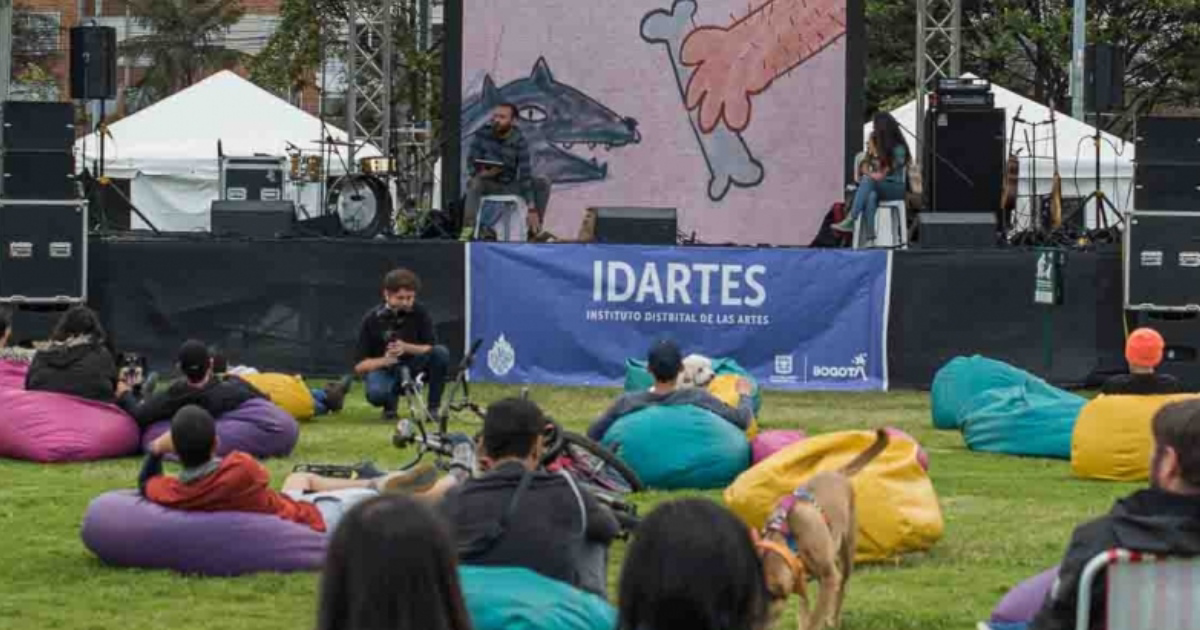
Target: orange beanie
<point x="1144" y="348"/>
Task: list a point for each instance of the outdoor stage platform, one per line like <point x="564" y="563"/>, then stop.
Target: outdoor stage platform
<point x="294" y="305"/>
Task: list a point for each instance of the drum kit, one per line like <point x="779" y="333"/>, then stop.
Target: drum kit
<point x="364" y="199"/>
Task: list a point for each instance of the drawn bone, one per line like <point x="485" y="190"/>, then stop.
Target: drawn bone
<point x="729" y="160"/>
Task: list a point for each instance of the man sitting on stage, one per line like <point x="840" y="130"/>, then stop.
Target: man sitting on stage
<point x="665" y="362"/>
<point x="399" y="334"/>
<point x="499" y="158"/>
<point x="1144" y="352"/>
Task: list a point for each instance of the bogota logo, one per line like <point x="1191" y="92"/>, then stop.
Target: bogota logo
<point x="856" y="369"/>
<point x="501" y="357"/>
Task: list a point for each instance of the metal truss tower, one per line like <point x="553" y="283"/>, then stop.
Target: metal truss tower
<point x="939" y="49"/>
<point x="369" y="64"/>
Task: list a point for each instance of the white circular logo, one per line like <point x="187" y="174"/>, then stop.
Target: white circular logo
<point x="501" y="357"/>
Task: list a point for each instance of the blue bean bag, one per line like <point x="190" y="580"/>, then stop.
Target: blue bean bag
<point x="680" y="446"/>
<point x="637" y="378"/>
<point x="510" y="598"/>
<point x="1022" y="420"/>
<point x="962" y="379"/>
<point x="125" y="530"/>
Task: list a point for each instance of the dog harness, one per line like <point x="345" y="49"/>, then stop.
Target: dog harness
<point x="777" y="521"/>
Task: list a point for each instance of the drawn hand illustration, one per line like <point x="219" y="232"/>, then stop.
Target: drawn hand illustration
<point x="732" y="64"/>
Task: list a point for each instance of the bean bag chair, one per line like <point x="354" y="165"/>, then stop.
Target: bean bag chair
<point x="511" y="598"/>
<point x="286" y="390"/>
<point x="770" y="442"/>
<point x="922" y="456"/>
<point x="125" y="530"/>
<point x="258" y="427"/>
<point x="52" y="427"/>
<point x="1025" y="599"/>
<point x="679" y="446"/>
<point x="1112" y="438"/>
<point x="898" y="509"/>
<point x="637" y="378"/>
<point x="958" y="382"/>
<point x="12" y="374"/>
<point x="1022" y="420"/>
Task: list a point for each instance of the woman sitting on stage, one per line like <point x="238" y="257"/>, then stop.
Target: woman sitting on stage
<point x="886" y="177"/>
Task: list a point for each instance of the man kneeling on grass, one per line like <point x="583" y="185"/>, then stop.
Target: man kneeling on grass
<point x="238" y="483"/>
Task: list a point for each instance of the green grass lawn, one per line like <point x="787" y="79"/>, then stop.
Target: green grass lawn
<point x="1006" y="518"/>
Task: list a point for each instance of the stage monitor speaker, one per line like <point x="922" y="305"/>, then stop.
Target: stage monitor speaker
<point x="1167" y="187"/>
<point x="38" y="126"/>
<point x="956" y="230"/>
<point x="1181" y="331"/>
<point x="641" y="226"/>
<point x="1162" y="261"/>
<point x="964" y="160"/>
<point x="43" y="251"/>
<point x="1168" y="140"/>
<point x="1104" y="78"/>
<point x="256" y="219"/>
<point x="37" y="175"/>
<point x="93" y="62"/>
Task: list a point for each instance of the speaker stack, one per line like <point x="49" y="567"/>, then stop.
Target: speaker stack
<point x="1162" y="240"/>
<point x="962" y="166"/>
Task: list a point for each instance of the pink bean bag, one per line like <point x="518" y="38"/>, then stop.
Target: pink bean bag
<point x="258" y="427"/>
<point x="767" y="443"/>
<point x="12" y="374"/>
<point x="52" y="427"/>
<point x="922" y="456"/>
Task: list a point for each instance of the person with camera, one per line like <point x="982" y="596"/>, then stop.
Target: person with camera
<point x="398" y="336"/>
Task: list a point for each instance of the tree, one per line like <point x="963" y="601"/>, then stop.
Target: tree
<point x="184" y="44"/>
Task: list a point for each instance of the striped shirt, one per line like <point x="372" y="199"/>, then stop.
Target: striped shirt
<point x="511" y="150"/>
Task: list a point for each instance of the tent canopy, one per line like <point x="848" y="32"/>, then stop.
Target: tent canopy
<point x="1076" y="152"/>
<point x="169" y="150"/>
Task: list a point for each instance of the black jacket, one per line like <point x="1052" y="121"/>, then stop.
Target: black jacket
<point x="1151" y="521"/>
<point x="217" y="397"/>
<point x="80" y="366"/>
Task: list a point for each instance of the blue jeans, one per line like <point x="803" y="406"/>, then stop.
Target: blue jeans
<point x="383" y="386"/>
<point x="320" y="408"/>
<point x="868" y="196"/>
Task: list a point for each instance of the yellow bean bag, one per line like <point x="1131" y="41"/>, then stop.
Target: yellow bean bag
<point x="724" y="388"/>
<point x="898" y="509"/>
<point x="285" y="390"/>
<point x="1112" y="438"/>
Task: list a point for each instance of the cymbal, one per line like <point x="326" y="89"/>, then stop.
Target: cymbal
<point x="341" y="143"/>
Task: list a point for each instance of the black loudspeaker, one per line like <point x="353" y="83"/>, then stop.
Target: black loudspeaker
<point x="258" y="219"/>
<point x="38" y="126"/>
<point x="37" y="175"/>
<point x="93" y="62"/>
<point x="1181" y="332"/>
<point x="1168" y="140"/>
<point x="964" y="160"/>
<point x="642" y="226"/>
<point x="956" y="230"/>
<point x="1104" y="78"/>
<point x="1162" y="261"/>
<point x="1167" y="187"/>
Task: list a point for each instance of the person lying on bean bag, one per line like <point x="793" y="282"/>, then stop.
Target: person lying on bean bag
<point x="665" y="362"/>
<point x="325" y="400"/>
<point x="1144" y="352"/>
<point x="199" y="387"/>
<point x="238" y="483"/>
<point x="78" y="360"/>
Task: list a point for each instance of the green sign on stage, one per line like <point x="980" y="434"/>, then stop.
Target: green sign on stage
<point x="1048" y="288"/>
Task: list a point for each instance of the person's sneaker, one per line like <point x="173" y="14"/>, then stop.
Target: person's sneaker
<point x="367" y="470"/>
<point x="467" y="233"/>
<point x="847" y="225"/>
<point x="415" y="480"/>
<point x="335" y="393"/>
<point x="462" y="454"/>
<point x="389" y="415"/>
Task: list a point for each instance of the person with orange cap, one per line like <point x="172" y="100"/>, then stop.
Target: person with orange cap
<point x="1144" y="352"/>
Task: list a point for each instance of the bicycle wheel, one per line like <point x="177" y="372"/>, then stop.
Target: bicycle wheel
<point x="595" y="464"/>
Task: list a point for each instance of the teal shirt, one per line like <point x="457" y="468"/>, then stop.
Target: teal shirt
<point x="899" y="159"/>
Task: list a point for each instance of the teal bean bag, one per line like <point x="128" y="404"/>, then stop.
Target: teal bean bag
<point x="1022" y="420"/>
<point x="511" y="598"/>
<point x="959" y="382"/>
<point x="637" y="378"/>
<point x="680" y="446"/>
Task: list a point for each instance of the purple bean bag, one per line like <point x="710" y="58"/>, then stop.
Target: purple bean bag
<point x="1025" y="599"/>
<point x="258" y="427"/>
<point x="12" y="374"/>
<point x="53" y="427"/>
<point x="767" y="443"/>
<point x="124" y="530"/>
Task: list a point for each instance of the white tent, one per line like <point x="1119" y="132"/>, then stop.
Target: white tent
<point x="1076" y="154"/>
<point x="169" y="150"/>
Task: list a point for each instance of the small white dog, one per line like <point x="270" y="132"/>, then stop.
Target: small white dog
<point x="697" y="371"/>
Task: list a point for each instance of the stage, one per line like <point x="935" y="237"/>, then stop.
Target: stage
<point x="294" y="305"/>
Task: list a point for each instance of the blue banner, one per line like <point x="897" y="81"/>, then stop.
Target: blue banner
<point x="572" y="314"/>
